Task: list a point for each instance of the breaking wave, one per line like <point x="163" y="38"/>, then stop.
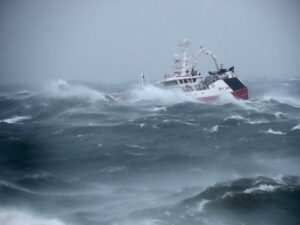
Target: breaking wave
<point x="158" y="95"/>
<point x="70" y="151"/>
<point x="283" y="99"/>
<point x="297" y="127"/>
<point x="15" y="119"/>
<point x="15" y="217"/>
<point x="239" y="202"/>
<point x="64" y="89"/>
<point x="277" y="132"/>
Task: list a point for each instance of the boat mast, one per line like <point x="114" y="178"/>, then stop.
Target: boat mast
<point x="181" y="64"/>
<point x="143" y="80"/>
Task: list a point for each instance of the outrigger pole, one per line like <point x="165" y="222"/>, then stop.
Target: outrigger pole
<point x="206" y="51"/>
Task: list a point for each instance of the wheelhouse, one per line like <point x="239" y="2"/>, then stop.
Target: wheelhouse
<point x="180" y="81"/>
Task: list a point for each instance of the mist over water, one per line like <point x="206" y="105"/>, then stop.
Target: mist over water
<point x="73" y="152"/>
<point x="71" y="155"/>
<point x="113" y="41"/>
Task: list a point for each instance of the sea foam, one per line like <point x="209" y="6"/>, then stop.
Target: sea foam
<point x="277" y="132"/>
<point x="64" y="89"/>
<point x="15" y="119"/>
<point x="297" y="127"/>
<point x="16" y="218"/>
<point x="262" y="187"/>
<point x="155" y="94"/>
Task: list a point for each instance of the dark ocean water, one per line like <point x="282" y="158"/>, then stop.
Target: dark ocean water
<point x="69" y="155"/>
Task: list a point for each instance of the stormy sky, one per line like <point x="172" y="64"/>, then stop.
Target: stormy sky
<point x="112" y="41"/>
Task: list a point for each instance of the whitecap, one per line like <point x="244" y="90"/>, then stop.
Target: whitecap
<point x="16" y="217"/>
<point x="277" y="132"/>
<point x="178" y="122"/>
<point x="235" y="117"/>
<point x="226" y="98"/>
<point x="297" y="127"/>
<point x="227" y="194"/>
<point x="284" y="99"/>
<point x="262" y="187"/>
<point x="136" y="146"/>
<point x="187" y="123"/>
<point x="246" y="120"/>
<point x="202" y="204"/>
<point x="165" y="96"/>
<point x="63" y="89"/>
<point x="214" y="129"/>
<point x="157" y="109"/>
<point x="15" y="119"/>
<point x="279" y="114"/>
<point x="257" y="121"/>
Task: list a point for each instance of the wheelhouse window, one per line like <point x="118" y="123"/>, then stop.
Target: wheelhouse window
<point x="171" y="83"/>
<point x="185" y="81"/>
<point x="181" y="81"/>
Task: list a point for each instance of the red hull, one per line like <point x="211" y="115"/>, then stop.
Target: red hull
<point x="241" y="94"/>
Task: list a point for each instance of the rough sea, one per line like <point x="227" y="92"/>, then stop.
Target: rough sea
<point x="70" y="155"/>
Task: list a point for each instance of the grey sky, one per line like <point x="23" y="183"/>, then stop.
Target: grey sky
<point x="115" y="40"/>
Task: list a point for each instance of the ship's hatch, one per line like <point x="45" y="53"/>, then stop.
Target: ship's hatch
<point x="234" y="83"/>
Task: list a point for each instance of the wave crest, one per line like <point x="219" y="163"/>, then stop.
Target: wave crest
<point x="155" y="94"/>
<point x="16" y="217"/>
<point x="64" y="89"/>
<point x="15" y="119"/>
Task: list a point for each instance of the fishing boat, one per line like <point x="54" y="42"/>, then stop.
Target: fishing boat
<point x="188" y="78"/>
<point x="209" y="87"/>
